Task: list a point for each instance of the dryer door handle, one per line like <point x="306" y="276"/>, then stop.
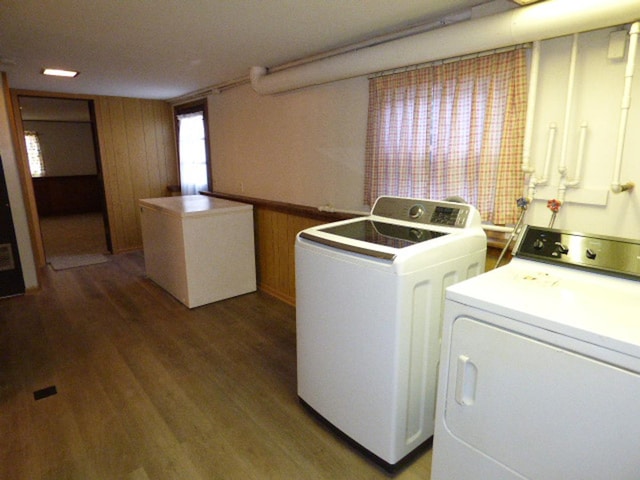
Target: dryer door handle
<point x="466" y="378"/>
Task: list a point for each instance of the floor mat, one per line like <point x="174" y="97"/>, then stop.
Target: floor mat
<point x="72" y="261"/>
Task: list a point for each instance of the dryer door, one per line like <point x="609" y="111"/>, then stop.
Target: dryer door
<point x="538" y="409"/>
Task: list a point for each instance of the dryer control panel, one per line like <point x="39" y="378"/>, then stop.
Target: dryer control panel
<point x="611" y="255"/>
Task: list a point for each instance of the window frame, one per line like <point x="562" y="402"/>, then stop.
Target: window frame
<point x="194" y="107"/>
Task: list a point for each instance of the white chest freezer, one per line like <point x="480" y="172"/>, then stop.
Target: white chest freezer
<point x="199" y="248"/>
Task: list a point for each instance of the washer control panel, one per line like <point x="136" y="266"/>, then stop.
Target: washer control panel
<point x="616" y="256"/>
<point x="428" y="212"/>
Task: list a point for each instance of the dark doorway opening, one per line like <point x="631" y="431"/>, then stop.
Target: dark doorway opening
<point x="66" y="173"/>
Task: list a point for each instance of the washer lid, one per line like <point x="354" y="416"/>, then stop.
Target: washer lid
<point x="383" y="233"/>
<point x="371" y="236"/>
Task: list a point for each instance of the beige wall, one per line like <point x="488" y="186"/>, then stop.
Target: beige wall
<point x="307" y="146"/>
<point x="67" y="147"/>
<point x="304" y="147"/>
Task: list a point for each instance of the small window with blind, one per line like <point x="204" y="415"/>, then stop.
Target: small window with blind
<point x="452" y="129"/>
<point x="34" y="153"/>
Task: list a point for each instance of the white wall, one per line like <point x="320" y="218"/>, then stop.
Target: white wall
<point x="591" y="207"/>
<point x="307" y="147"/>
<point x="304" y="147"/>
<point x="14" y="188"/>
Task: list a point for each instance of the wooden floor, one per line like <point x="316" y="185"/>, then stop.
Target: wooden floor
<point x="147" y="389"/>
<point x="73" y="234"/>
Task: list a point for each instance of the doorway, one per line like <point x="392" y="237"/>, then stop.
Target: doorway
<point x="64" y="162"/>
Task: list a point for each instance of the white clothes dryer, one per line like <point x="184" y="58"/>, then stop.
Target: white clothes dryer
<point x="540" y="367"/>
<point x="369" y="296"/>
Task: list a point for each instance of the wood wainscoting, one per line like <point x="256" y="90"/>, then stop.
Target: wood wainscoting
<point x="138" y="153"/>
<point x="276" y="225"/>
<point x="68" y="195"/>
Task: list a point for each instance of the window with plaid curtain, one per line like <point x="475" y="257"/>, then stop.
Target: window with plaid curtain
<point x="452" y="129"/>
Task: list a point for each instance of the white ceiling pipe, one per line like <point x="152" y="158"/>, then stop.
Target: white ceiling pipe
<point x="550" y="19"/>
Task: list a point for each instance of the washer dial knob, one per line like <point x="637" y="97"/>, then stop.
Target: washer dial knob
<point x="416" y="211"/>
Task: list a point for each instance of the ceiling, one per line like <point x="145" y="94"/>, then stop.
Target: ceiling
<point x="54" y="109"/>
<point x="162" y="49"/>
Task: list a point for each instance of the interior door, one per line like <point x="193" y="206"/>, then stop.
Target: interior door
<point x="540" y="410"/>
<point x="11" y="279"/>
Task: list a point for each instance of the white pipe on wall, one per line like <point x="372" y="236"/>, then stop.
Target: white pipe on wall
<point x="549" y="19"/>
<point x="616" y="187"/>
<point x="562" y="165"/>
<point x="551" y="140"/>
<point x="534" y="181"/>
<point x="575" y="180"/>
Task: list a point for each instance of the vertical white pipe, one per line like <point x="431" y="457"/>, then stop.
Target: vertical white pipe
<point x="578" y="172"/>
<point x="535" y="181"/>
<point x="624" y="110"/>
<point x="531" y="107"/>
<point x="553" y="128"/>
<point x="562" y="165"/>
<point x="531" y="191"/>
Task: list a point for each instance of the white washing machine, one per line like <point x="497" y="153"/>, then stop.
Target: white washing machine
<point x="540" y="366"/>
<point x="369" y="295"/>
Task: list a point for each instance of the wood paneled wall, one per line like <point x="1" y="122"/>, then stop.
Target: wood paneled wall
<point x="276" y="226"/>
<point x="138" y="156"/>
<point x="275" y="233"/>
<point x="67" y="195"/>
<point x="275" y="256"/>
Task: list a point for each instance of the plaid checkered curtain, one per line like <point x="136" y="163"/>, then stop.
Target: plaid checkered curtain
<point x="454" y="129"/>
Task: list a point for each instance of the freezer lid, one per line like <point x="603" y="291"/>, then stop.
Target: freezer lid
<point x="193" y="205"/>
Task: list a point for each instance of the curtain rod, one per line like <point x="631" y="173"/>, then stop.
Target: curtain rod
<point x="444" y="61"/>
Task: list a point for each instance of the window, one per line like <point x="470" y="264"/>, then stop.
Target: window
<point x="36" y="162"/>
<point x="452" y="129"/>
<point x="193" y="148"/>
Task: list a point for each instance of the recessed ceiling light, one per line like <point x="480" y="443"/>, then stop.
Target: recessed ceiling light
<point x="60" y="73"/>
<point x="525" y="2"/>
